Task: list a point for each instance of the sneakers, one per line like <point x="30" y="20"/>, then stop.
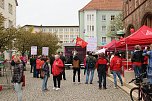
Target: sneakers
<point x="57" y="89"/>
<point x="54" y="88"/>
<point x="115" y="87"/>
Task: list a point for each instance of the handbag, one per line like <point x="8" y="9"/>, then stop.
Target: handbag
<point x="42" y="73"/>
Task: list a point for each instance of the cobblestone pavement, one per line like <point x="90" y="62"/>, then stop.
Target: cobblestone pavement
<point x="68" y="92"/>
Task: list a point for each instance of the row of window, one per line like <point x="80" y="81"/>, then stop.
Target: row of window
<point x="60" y="29"/>
<point x="104" y="18"/>
<point x="67" y="36"/>
<point x="10" y="6"/>
<point x="90" y="17"/>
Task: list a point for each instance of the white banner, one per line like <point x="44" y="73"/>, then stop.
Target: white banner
<point x="92" y="44"/>
<point x="45" y="51"/>
<point x="33" y="50"/>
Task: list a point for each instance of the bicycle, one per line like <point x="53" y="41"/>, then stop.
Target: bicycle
<point x="144" y="89"/>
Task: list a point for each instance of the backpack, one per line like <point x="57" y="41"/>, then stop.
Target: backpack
<point x="76" y="64"/>
<point x="91" y="63"/>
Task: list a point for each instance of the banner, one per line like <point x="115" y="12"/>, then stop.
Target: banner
<point x="92" y="44"/>
<point x="33" y="50"/>
<point x="45" y="51"/>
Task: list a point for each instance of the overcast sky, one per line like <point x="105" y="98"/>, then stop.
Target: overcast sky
<point x="49" y="12"/>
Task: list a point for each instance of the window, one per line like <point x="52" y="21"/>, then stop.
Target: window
<point x="112" y="28"/>
<point x="71" y="36"/>
<point x="92" y="17"/>
<point x="55" y="30"/>
<point x="50" y="30"/>
<point x="87" y="17"/>
<point x="66" y="36"/>
<point x="61" y="36"/>
<point x="10" y="8"/>
<point x="88" y="28"/>
<point x="92" y="28"/>
<point x="66" y="29"/>
<point x="10" y="23"/>
<point x="103" y="40"/>
<point x="103" y="28"/>
<point x="61" y="30"/>
<point x="112" y="17"/>
<point x="77" y="30"/>
<point x="103" y="17"/>
<point x="2" y="4"/>
<point x="71" y="29"/>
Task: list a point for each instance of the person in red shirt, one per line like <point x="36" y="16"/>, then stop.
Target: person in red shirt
<point x="101" y="66"/>
<point x="57" y="70"/>
<point x="39" y="64"/>
<point x="115" y="67"/>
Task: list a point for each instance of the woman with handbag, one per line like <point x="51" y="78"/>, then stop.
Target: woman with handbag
<point x="45" y="73"/>
<point x="17" y="78"/>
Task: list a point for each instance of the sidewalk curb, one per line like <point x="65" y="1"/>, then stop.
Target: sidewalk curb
<point x="126" y="87"/>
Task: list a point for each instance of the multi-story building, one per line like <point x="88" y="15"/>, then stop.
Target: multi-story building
<point x="8" y="10"/>
<point x="95" y="18"/>
<point x="66" y="34"/>
<point x="137" y="13"/>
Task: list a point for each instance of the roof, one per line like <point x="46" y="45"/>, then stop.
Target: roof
<point x="47" y="26"/>
<point x="104" y="5"/>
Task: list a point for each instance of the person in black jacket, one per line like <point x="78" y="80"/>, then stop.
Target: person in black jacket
<point x="52" y="58"/>
<point x="46" y="71"/>
<point x="137" y="60"/>
<point x="63" y="60"/>
<point x="17" y="78"/>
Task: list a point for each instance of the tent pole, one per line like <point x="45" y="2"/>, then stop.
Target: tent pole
<point x="127" y="55"/>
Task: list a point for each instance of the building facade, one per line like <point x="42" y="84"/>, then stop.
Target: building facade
<point x="136" y="14"/>
<point x="95" y="18"/>
<point x="66" y="34"/>
<point x="8" y="10"/>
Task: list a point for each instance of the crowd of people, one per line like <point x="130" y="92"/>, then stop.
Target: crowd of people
<point x="141" y="63"/>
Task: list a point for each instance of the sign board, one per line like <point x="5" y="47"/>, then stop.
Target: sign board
<point x="33" y="50"/>
<point x="45" y="51"/>
<point x="92" y="44"/>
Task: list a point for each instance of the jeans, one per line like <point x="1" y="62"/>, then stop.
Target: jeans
<point x="34" y="70"/>
<point x="88" y="73"/>
<point x="37" y="73"/>
<point x="115" y="74"/>
<point x="74" y="74"/>
<point x="18" y="89"/>
<point x="137" y="70"/>
<point x="44" y="84"/>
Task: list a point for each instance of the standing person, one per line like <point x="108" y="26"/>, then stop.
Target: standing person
<point x="76" y="68"/>
<point x="46" y="71"/>
<point x="18" y="76"/>
<point x="31" y="63"/>
<point x="115" y="67"/>
<point x="1" y="62"/>
<point x="101" y="66"/>
<point x="39" y="64"/>
<point x="57" y="72"/>
<point x="90" y="62"/>
<point x="34" y="66"/>
<point x="149" y="67"/>
<point x="52" y="58"/>
<point x="137" y="60"/>
<point x="63" y="60"/>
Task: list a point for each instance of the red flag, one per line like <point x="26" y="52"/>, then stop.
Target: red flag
<point x="81" y="42"/>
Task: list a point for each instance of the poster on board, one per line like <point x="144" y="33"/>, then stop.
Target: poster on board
<point x="45" y="51"/>
<point x="33" y="50"/>
<point x="92" y="44"/>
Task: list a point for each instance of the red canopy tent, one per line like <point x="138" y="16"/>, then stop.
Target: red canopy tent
<point x="142" y="36"/>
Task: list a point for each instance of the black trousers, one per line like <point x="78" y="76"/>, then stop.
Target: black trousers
<point x="144" y="69"/>
<point x="102" y="75"/>
<point x="76" y="70"/>
<point x="37" y="73"/>
<point x="57" y="79"/>
<point x="63" y="73"/>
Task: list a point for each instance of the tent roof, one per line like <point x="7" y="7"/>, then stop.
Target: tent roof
<point x="113" y="42"/>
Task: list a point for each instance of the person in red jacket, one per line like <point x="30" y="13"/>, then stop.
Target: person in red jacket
<point x="39" y="64"/>
<point x="115" y="67"/>
<point x="57" y="70"/>
<point x="101" y="66"/>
